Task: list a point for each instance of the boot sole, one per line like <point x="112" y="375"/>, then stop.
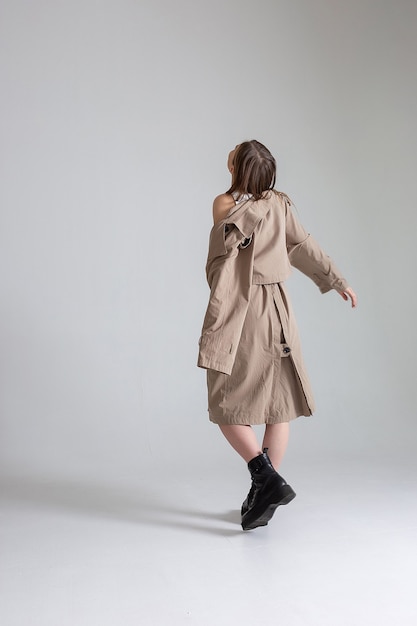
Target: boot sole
<point x="261" y="515"/>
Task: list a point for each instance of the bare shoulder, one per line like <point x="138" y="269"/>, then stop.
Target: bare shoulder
<point x="221" y="206"/>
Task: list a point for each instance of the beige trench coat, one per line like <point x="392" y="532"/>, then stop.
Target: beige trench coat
<point x="249" y="342"/>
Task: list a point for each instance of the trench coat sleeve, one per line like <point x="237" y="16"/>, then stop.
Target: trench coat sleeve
<point x="307" y="256"/>
<point x="229" y="274"/>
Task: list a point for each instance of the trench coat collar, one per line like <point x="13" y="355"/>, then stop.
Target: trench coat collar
<point x="246" y="216"/>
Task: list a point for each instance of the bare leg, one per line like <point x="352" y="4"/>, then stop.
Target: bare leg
<point x="242" y="439"/>
<point x="276" y="440"/>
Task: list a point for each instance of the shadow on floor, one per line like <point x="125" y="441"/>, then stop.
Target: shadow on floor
<point x="133" y="504"/>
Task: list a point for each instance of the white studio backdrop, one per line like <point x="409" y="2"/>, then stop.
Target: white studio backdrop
<point x="116" y="121"/>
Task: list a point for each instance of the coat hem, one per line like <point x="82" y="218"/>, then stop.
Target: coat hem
<point x="256" y="421"/>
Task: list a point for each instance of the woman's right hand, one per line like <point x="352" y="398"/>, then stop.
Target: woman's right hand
<point x="349" y="294"/>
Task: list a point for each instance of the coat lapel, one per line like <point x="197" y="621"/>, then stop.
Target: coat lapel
<point x="247" y="216"/>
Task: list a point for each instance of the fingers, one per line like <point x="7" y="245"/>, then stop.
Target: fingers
<point x="353" y="298"/>
<point x="350" y="294"/>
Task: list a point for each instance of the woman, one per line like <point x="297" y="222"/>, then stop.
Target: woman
<point x="249" y="342"/>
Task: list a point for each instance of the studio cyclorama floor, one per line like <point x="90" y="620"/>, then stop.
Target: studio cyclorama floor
<point x="167" y="550"/>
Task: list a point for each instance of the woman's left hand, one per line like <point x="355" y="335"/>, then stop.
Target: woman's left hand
<point x="347" y="294"/>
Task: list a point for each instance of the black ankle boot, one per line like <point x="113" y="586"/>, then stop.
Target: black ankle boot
<point x="269" y="490"/>
<point x="248" y="500"/>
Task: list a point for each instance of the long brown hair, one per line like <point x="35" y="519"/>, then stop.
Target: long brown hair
<point x="254" y="169"/>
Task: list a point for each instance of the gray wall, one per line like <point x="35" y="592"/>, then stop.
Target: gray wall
<point x="117" y="117"/>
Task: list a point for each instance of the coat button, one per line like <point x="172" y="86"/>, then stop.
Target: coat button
<point x="287" y="350"/>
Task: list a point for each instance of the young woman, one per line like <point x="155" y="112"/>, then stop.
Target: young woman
<point x="249" y="343"/>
